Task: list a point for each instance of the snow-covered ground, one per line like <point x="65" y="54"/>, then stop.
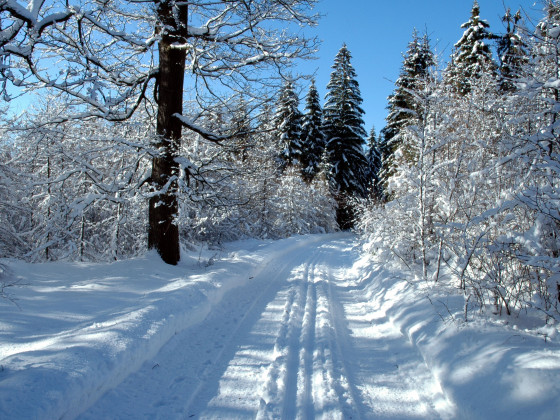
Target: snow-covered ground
<point x="298" y="328"/>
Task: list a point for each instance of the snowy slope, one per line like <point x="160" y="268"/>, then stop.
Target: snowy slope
<point x="501" y="368"/>
<point x="298" y="328"/>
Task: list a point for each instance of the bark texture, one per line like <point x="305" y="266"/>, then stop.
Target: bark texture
<point x="163" y="231"/>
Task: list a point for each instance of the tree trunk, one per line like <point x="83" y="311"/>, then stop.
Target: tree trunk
<point x="345" y="216"/>
<point x="163" y="232"/>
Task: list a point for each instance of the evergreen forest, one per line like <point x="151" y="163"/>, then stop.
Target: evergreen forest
<point x="111" y="158"/>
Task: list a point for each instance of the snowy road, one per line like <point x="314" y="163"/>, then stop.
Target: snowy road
<point x="299" y="340"/>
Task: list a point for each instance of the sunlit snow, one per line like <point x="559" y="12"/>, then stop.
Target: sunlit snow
<point x="299" y="328"/>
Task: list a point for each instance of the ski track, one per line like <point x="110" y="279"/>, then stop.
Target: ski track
<point x="295" y="343"/>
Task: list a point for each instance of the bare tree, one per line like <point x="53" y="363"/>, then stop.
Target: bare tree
<point x="109" y="57"/>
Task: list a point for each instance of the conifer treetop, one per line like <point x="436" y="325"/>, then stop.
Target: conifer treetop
<point x="343" y="97"/>
<point x="287" y="121"/>
<point x="472" y="57"/>
<point x="417" y="62"/>
<point x="344" y="128"/>
<point x="312" y="136"/>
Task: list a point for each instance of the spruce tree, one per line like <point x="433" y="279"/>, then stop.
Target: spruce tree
<point x="287" y="121"/>
<point x="375" y="164"/>
<point x="417" y="62"/>
<point x="512" y="52"/>
<point x="343" y="126"/>
<point x="472" y="56"/>
<point x="312" y="137"/>
<point x="403" y="108"/>
<point x="241" y="126"/>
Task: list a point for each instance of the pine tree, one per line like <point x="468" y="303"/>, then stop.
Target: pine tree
<point x="343" y="126"/>
<point x="481" y="193"/>
<point x="375" y="163"/>
<point x="403" y="108"/>
<point x="241" y="126"/>
<point x="288" y="121"/>
<point x="512" y="52"/>
<point x="417" y="62"/>
<point x="472" y="56"/>
<point x="312" y="137"/>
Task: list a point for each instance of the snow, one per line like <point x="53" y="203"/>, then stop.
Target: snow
<point x="305" y="327"/>
<point x="22" y="13"/>
<point x="554" y="32"/>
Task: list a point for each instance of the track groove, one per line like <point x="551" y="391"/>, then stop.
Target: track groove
<point x="294" y="343"/>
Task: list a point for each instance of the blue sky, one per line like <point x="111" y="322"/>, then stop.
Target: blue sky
<point x="377" y="33"/>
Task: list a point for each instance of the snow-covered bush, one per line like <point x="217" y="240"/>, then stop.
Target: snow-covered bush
<point x="242" y="192"/>
<point x="475" y="186"/>
<point x="72" y="189"/>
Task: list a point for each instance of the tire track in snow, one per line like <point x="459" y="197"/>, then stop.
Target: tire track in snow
<point x="281" y="392"/>
<point x="211" y="367"/>
<point x="305" y="407"/>
<point x="304" y="377"/>
<point x="275" y="387"/>
<point x="279" y="374"/>
<point x="323" y="386"/>
<point x="326" y="386"/>
<point x="298" y="342"/>
<point x="394" y="381"/>
<point x="197" y="357"/>
<point x="277" y="392"/>
<point x="341" y="344"/>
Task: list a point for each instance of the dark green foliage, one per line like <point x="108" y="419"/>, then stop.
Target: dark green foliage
<point x="403" y="108"/>
<point x="512" y="52"/>
<point x="312" y="136"/>
<point x="343" y="126"/>
<point x="287" y="121"/>
<point x="374" y="159"/>
<point x="417" y="62"/>
<point x="472" y="57"/>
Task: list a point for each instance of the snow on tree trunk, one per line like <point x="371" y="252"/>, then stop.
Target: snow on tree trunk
<point x="163" y="233"/>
